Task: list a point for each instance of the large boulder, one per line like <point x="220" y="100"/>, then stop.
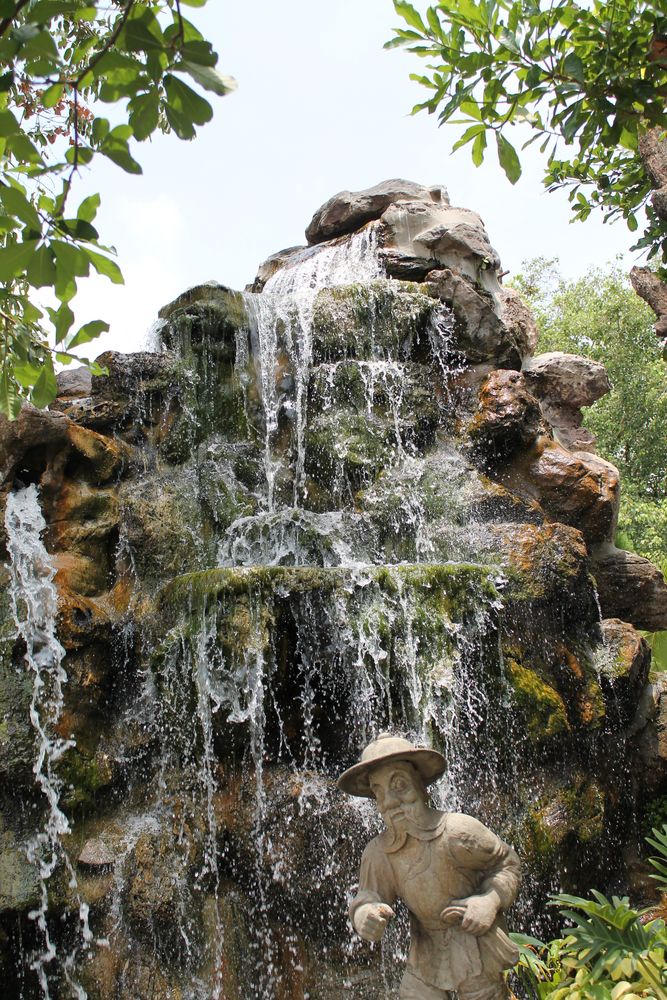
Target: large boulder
<point x="576" y="488"/>
<point x="631" y="588"/>
<point x="507" y="418"/>
<point x="564" y="383"/>
<point x="350" y="210"/>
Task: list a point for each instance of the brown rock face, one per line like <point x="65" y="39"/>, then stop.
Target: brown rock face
<point x="566" y="378"/>
<point x="350" y="210"/>
<point x="627" y="664"/>
<point x="578" y="489"/>
<point x="564" y="383"/>
<point x="630" y="588"/>
<point x="508" y="415"/>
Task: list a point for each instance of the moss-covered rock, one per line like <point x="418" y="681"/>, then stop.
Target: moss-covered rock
<point x="541" y="707"/>
<point x="19" y="881"/>
<point x="386" y="319"/>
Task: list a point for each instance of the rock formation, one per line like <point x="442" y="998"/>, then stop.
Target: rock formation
<point x="345" y="500"/>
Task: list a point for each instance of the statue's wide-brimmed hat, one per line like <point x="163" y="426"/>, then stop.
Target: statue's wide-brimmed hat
<point x="385" y="748"/>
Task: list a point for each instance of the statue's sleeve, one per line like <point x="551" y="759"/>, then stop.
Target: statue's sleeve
<point x="376" y="880"/>
<point x="474" y="846"/>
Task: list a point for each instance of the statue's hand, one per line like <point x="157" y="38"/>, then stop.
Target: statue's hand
<point x="475" y="914"/>
<point x="371" y="919"/>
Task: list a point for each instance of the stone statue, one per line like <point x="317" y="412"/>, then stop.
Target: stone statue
<point x="455" y="876"/>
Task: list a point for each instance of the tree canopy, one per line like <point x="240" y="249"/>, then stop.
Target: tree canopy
<point x="61" y="63"/>
<point x="600" y="317"/>
<point x="587" y="79"/>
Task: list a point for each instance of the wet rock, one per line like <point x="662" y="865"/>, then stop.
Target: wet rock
<point x="508" y="416"/>
<point x="564" y="383"/>
<point x="350" y="210"/>
<point x="479" y="332"/>
<point x="567" y="379"/>
<point x="654" y="292"/>
<point x="649" y="729"/>
<point x="17" y="737"/>
<point x="566" y="819"/>
<point x="272" y="265"/>
<point x="97" y="854"/>
<point x="26" y="443"/>
<point x="19" y="882"/>
<point x="74" y="383"/>
<point x="541" y="708"/>
<point x="454" y="237"/>
<point x="576" y="488"/>
<point x="631" y="588"/>
<point x="545" y="561"/>
<point x="386" y="320"/>
<point x="519" y="321"/>
<point x="626" y="660"/>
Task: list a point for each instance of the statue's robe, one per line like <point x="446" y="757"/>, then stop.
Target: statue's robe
<point x="456" y="858"/>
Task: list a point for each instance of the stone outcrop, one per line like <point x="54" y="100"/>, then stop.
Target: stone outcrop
<point x="630" y="588"/>
<point x="564" y="383"/>
<point x="350" y="210"/>
<point x="273" y="541"/>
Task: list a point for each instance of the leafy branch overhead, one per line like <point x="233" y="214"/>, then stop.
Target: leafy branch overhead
<point x="61" y="62"/>
<point x="587" y="80"/>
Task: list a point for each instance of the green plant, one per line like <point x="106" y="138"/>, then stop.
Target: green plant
<point x="61" y="61"/>
<point x="588" y="79"/>
<point x="611" y="951"/>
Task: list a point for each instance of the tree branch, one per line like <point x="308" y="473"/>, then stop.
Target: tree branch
<point x="7" y="21"/>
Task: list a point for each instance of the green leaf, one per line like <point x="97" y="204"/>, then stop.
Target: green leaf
<point x="468" y="135"/>
<point x="41" y="270"/>
<point x="88" y="208"/>
<point x="62" y="319"/>
<point x="410" y="15"/>
<point x="8" y="123"/>
<point x="17" y="204"/>
<point x="14" y="259"/>
<point x="115" y="148"/>
<point x="209" y="78"/>
<point x="46" y="387"/>
<point x="508" y="158"/>
<point x="187" y="107"/>
<point x="478" y="147"/>
<point x="10" y="401"/>
<point x="574" y="67"/>
<point x="144" y="113"/>
<point x="103" y="265"/>
<point x="88" y="332"/>
<point x="193" y="3"/>
<point x="52" y="95"/>
<point x="77" y="228"/>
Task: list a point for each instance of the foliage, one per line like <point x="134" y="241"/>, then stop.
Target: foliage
<point x="586" y="78"/>
<point x="61" y="61"/>
<point x="611" y="951"/>
<point x="600" y="317"/>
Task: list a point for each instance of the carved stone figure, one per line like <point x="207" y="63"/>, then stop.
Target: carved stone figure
<point x="454" y="875"/>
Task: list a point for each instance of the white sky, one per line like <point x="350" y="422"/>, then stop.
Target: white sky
<point x="320" y="107"/>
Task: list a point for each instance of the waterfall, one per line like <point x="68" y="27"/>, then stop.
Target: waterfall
<point x="281" y="319"/>
<point x="34" y="599"/>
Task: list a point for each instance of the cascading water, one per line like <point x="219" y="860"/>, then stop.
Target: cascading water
<point x="272" y="546"/>
<point x="320" y="607"/>
<point x="281" y="324"/>
<point x="34" y="605"/>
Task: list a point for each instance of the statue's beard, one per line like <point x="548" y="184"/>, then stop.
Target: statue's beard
<point x="402" y="822"/>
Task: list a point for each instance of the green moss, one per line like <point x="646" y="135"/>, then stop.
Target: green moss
<point x="83" y="776"/>
<point x="574" y="812"/>
<point x="542" y="707"/>
<point x="383" y="319"/>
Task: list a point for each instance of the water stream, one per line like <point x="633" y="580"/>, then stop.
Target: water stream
<point x="34" y="603"/>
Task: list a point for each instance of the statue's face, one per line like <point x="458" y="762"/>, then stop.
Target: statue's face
<point x="399" y="794"/>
